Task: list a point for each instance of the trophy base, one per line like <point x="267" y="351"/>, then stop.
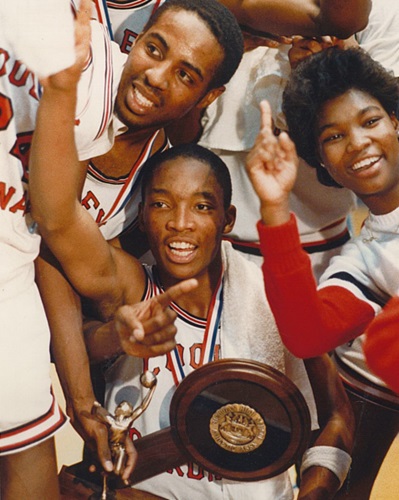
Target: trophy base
<point x="78" y="485"/>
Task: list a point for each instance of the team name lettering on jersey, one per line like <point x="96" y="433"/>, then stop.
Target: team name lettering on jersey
<point x="6" y="111"/>
<point x="8" y="201"/>
<point x="21" y="150"/>
<point x="128" y="39"/>
<point x="91" y="201"/>
<point x="19" y="74"/>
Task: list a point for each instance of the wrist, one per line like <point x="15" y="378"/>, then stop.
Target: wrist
<point x="81" y="403"/>
<point x="275" y="214"/>
<point x="334" y="459"/>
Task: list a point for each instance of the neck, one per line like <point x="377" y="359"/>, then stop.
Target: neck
<point x="125" y="152"/>
<point x="198" y="301"/>
<point x="382" y="203"/>
<point x="137" y="136"/>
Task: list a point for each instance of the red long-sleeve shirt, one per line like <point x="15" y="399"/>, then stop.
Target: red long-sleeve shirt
<point x="310" y="321"/>
<point x="381" y="346"/>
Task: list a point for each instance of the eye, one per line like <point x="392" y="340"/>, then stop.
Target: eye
<point x="204" y="207"/>
<point x="372" y="121"/>
<point x="186" y="77"/>
<point x="331" y="138"/>
<point x="153" y="50"/>
<point x="158" y="204"/>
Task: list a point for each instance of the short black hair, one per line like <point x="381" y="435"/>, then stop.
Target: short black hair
<point x="222" y="23"/>
<point x="325" y="76"/>
<point x="193" y="151"/>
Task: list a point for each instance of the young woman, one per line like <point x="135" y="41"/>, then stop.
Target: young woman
<point x="341" y="112"/>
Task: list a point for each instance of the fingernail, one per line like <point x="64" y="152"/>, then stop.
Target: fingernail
<point x="108" y="466"/>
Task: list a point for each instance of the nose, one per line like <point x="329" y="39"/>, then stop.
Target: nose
<point x="157" y="75"/>
<point x="358" y="139"/>
<point x="181" y="220"/>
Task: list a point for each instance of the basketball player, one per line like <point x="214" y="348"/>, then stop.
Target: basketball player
<point x="169" y="71"/>
<point x="34" y="37"/>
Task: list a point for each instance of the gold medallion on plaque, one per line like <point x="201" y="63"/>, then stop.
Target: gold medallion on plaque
<point x="237" y="428"/>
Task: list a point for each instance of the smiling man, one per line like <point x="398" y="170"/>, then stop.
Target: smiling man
<point x="183" y="58"/>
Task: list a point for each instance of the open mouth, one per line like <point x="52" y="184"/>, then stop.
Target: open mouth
<point x="142" y="100"/>
<point x="182" y="249"/>
<point x="366" y="163"/>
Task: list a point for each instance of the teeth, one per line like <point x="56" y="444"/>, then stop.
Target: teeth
<point x="365" y="163"/>
<point x="143" y="100"/>
<point x="182" y="245"/>
<point x="181" y="253"/>
<point x="181" y="248"/>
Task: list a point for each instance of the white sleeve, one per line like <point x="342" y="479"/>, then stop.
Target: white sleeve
<point x="380" y="38"/>
<point x="40" y="33"/>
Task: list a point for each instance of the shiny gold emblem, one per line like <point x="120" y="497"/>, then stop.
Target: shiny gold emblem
<point x="237" y="428"/>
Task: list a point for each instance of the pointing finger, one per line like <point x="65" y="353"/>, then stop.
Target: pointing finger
<point x="175" y="291"/>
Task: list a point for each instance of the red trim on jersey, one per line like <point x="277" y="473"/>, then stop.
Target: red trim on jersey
<point x="29" y="434"/>
<point x="132" y="179"/>
<point x="108" y="85"/>
<point x="321" y="245"/>
<point x="128" y="4"/>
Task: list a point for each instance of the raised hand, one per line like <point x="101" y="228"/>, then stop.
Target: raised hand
<point x="147" y="329"/>
<point x="303" y="47"/>
<point x="272" y="166"/>
<point x="68" y="78"/>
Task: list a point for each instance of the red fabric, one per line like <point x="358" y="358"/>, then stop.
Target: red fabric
<point x="310" y="322"/>
<point x="382" y="344"/>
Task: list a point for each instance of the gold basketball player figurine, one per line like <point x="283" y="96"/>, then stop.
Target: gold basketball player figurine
<point x="120" y="423"/>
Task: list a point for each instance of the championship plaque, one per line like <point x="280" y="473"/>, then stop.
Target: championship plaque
<point x="240" y="419"/>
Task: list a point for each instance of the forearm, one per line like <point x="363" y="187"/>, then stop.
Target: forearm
<point x="55" y="182"/>
<point x="341" y="18"/>
<point x="56" y="179"/>
<point x="102" y="340"/>
<point x="53" y="161"/>
<point x="318" y="483"/>
<point x="310" y="322"/>
<point x="337" y="426"/>
<point x="67" y="343"/>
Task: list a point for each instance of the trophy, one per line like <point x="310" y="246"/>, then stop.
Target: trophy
<point x="239" y="419"/>
<point x="120" y="424"/>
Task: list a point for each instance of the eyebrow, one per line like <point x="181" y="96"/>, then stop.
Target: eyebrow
<point x="187" y="64"/>
<point x="208" y="195"/>
<point x="360" y="114"/>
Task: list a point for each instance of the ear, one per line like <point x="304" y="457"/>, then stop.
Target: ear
<point x="319" y="155"/>
<point x="141" y="217"/>
<point x="395" y="121"/>
<point x="230" y="219"/>
<point x="210" y="97"/>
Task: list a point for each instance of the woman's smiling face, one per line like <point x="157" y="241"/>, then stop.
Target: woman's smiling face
<point x="358" y="144"/>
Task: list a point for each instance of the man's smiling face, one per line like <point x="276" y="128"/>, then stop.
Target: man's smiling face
<point x="168" y="71"/>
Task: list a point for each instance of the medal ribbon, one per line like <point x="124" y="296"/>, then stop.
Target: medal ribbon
<point x="210" y="335"/>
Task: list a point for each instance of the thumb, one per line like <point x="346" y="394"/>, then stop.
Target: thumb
<point x="103" y="451"/>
